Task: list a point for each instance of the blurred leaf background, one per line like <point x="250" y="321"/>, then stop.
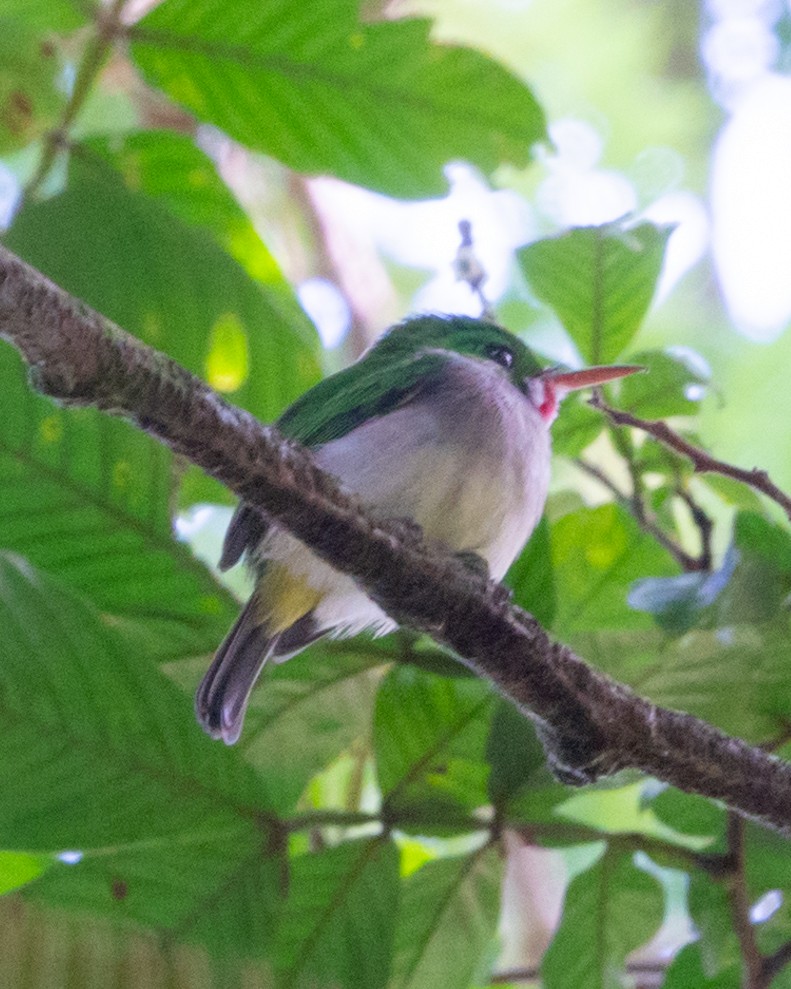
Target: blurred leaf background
<point x="259" y="189"/>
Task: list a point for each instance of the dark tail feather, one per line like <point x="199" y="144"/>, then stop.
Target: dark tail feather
<point x="297" y="637"/>
<point x="221" y="700"/>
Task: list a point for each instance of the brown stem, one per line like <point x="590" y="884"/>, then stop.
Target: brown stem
<point x="590" y="725"/>
<point x="664" y="851"/>
<point x="645" y="974"/>
<point x="704" y="526"/>
<point x="754" y="970"/>
<point x="702" y="462"/>
<point x="638" y="510"/>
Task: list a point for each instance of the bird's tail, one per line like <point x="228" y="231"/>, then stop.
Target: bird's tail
<point x="221" y="699"/>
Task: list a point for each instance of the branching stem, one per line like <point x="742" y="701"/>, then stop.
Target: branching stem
<point x="702" y="462"/>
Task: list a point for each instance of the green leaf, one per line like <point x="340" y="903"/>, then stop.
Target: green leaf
<point x="609" y="911"/>
<point x="19" y="868"/>
<point x="761" y="582"/>
<point x="710" y="910"/>
<point x="101" y="756"/>
<point x="519" y="766"/>
<point x="665" y="389"/>
<point x="339" y="918"/>
<point x="764" y="540"/>
<point x="577" y="427"/>
<point x="161" y="279"/>
<point x="87" y="498"/>
<point x="309" y="710"/>
<point x="734" y="492"/>
<point x="430" y="736"/>
<point x="447" y="922"/>
<point x="531" y="578"/>
<point x="768" y="871"/>
<point x="47" y="15"/>
<point x="733" y="677"/>
<point x="599" y="281"/>
<point x="30" y="99"/>
<point x="688" y="813"/>
<point x="597" y="553"/>
<point x="377" y="104"/>
<point x="170" y="170"/>
<point x="686" y="972"/>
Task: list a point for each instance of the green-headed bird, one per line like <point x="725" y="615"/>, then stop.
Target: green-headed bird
<point x="444" y="420"/>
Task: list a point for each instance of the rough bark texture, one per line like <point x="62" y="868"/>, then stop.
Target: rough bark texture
<point x="591" y="726"/>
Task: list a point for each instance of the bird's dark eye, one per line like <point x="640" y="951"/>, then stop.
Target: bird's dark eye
<point x="502" y="355"/>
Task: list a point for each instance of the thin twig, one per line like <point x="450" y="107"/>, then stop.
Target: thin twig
<point x="704" y="525"/>
<point x="624" y="841"/>
<point x="637" y="509"/>
<point x="702" y="462"/>
<point x="468" y="268"/>
<point x="108" y="27"/>
<point x="753" y="977"/>
<point x="646" y="973"/>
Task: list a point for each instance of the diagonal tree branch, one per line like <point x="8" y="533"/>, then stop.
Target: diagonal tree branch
<point x="591" y="726"/>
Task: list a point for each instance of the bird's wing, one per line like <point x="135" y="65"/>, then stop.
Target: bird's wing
<point x="371" y="388"/>
<point x="334" y="407"/>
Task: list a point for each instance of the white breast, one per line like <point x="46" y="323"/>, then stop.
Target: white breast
<point x="469" y="462"/>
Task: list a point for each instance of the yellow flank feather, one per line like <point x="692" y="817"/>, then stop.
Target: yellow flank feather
<point x="285" y="597"/>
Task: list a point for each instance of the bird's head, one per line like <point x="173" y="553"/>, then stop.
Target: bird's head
<point x="544" y="387"/>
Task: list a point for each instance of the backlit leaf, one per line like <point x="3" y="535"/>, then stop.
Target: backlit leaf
<point x="339" y="919"/>
<point x="377" y="104"/>
<point x="599" y="281"/>
<point x="609" y="911"/>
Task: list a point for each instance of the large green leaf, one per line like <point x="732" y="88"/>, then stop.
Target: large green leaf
<point x="430" y="737"/>
<point x="101" y="756"/>
<point x="375" y="104"/>
<point x="87" y="498"/>
<point x="520" y="777"/>
<point x="170" y="170"/>
<point x="447" y="922"/>
<point x="309" y="710"/>
<point x="600" y="282"/>
<point x="609" y="911"/>
<point x="710" y="910"/>
<point x="671" y="386"/>
<point x="305" y="712"/>
<point x="339" y="919"/>
<point x="47" y="15"/>
<point x="736" y="678"/>
<point x="597" y="553"/>
<point x="686" y="971"/>
<point x="166" y="281"/>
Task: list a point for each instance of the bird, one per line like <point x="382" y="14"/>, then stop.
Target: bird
<point x="444" y="420"/>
